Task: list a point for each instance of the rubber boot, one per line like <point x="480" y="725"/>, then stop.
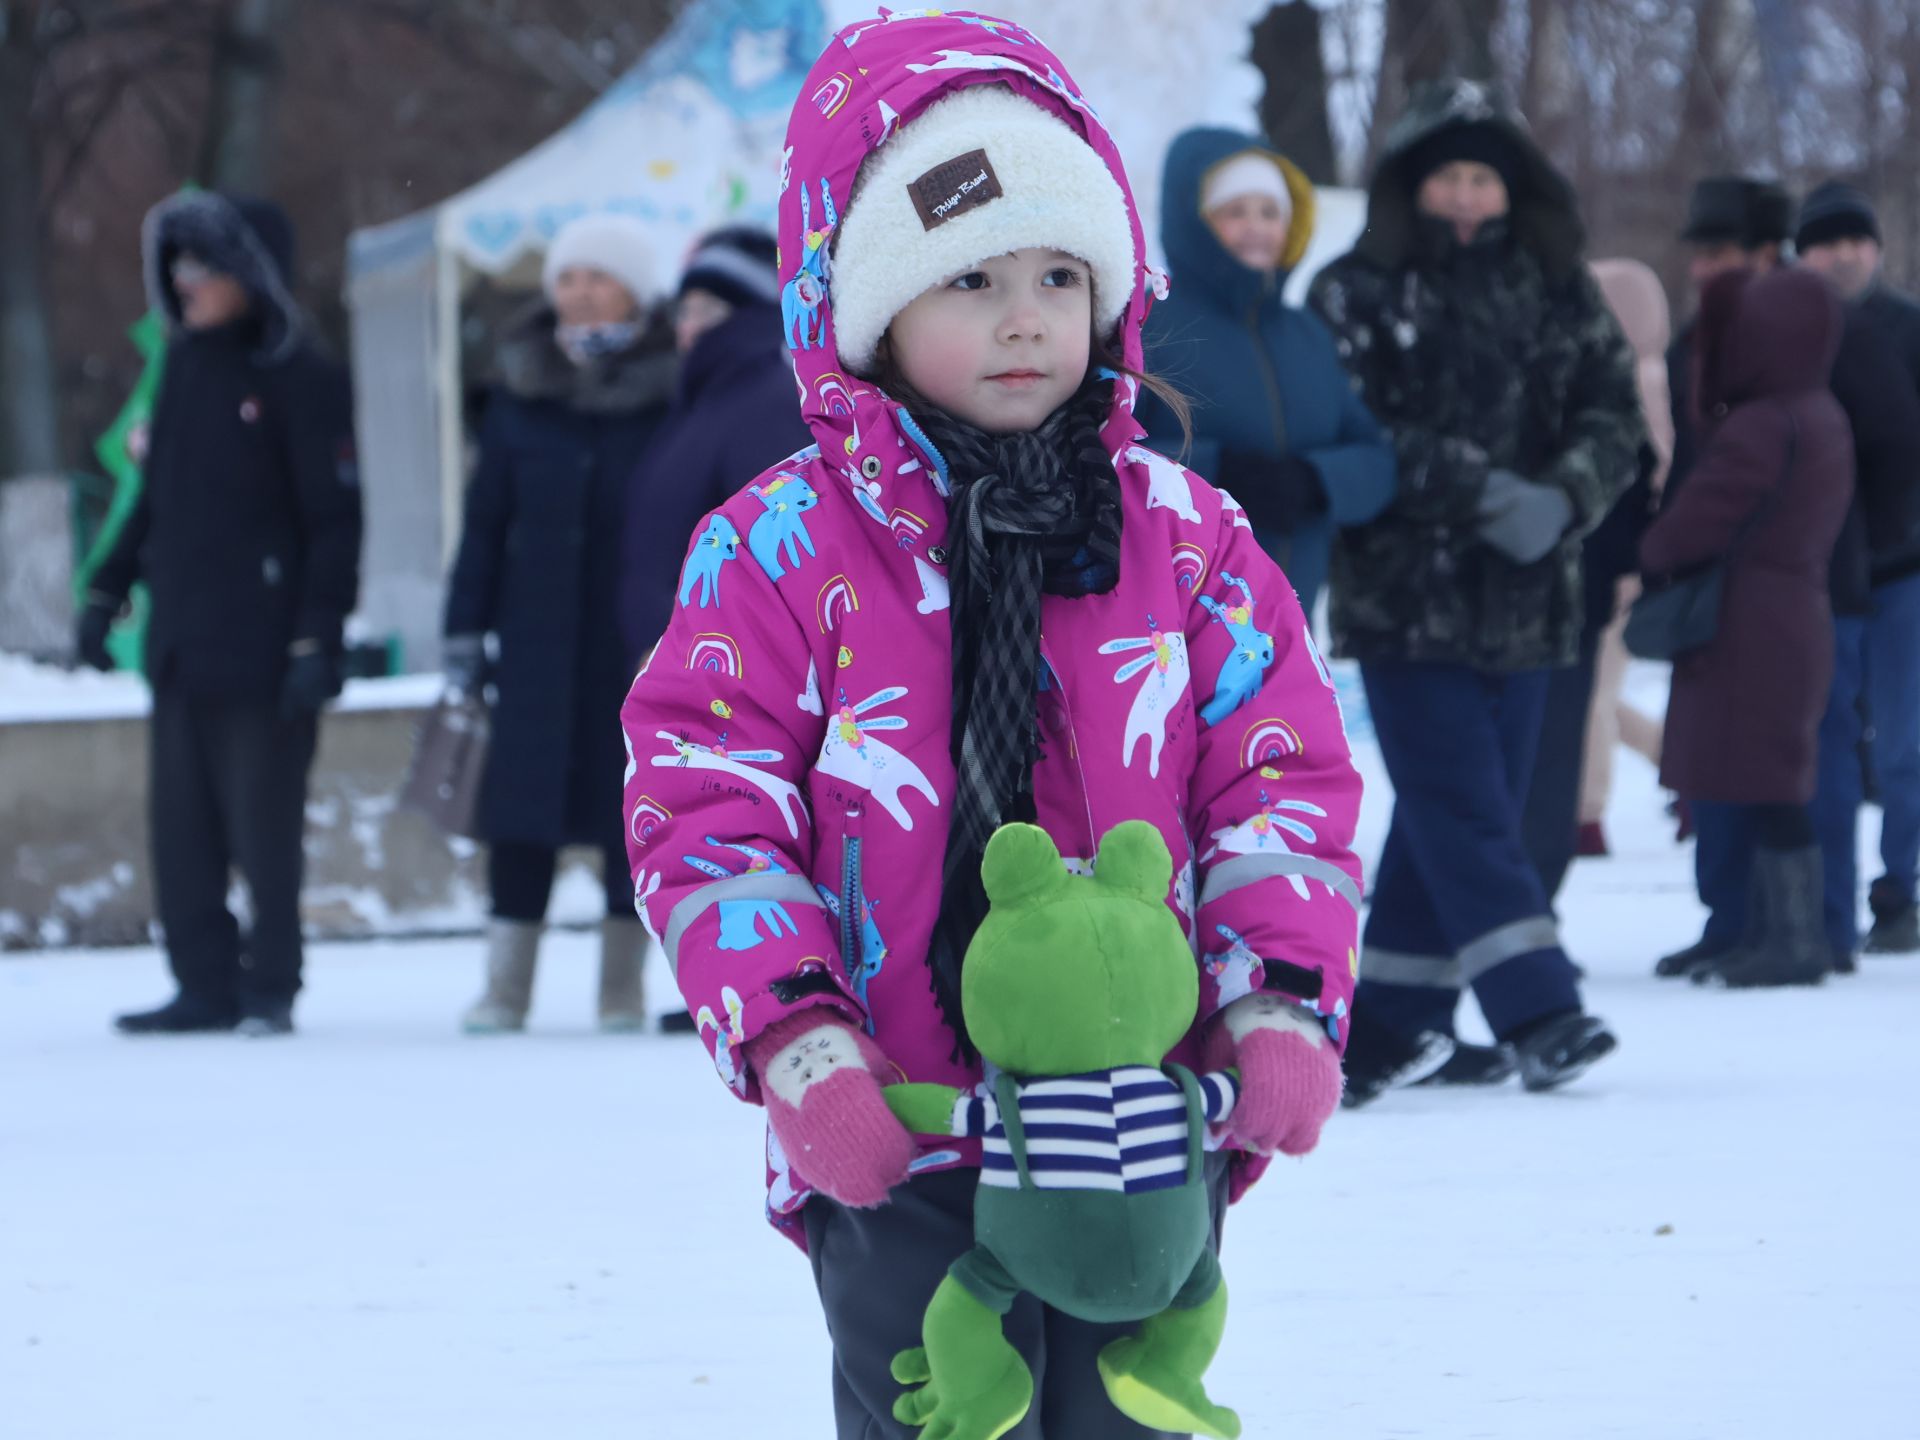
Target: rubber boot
<point x="1792" y="946"/>
<point x="512" y="948"/>
<point x="623" y="1000"/>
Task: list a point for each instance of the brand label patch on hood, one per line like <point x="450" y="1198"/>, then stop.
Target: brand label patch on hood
<point x="954" y="187"/>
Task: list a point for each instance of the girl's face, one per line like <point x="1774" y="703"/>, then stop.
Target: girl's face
<point x="1003" y="345"/>
<point x="1253" y="228"/>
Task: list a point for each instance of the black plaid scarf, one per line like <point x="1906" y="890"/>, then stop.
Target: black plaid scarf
<point x="1029" y="514"/>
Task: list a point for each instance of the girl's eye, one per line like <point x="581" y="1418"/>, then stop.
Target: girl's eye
<point x="972" y="280"/>
<point x="1063" y="278"/>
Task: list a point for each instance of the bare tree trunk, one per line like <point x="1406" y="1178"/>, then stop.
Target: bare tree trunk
<point x="1293" y="112"/>
<point x="29" y="396"/>
<point x="1550" y="88"/>
<point x="237" y="151"/>
<point x="1430" y="40"/>
<point x="1702" y="144"/>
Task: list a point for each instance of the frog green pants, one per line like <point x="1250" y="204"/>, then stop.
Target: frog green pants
<point x="877" y="1269"/>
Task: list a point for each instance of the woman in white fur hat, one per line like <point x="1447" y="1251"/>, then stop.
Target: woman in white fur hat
<point x="585" y="379"/>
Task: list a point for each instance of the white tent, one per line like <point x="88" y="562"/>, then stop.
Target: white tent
<point x="687" y="140"/>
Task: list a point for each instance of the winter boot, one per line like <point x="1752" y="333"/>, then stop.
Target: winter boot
<point x="512" y="948"/>
<point x="1792" y="945"/>
<point x="1685" y="962"/>
<point x="1896" y="922"/>
<point x="1378" y="1059"/>
<point x="623" y="1004"/>
<point x="1474" y="1065"/>
<point x="182" y="1015"/>
<point x="1559" y="1048"/>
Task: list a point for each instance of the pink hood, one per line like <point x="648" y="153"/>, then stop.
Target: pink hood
<point x="789" y="783"/>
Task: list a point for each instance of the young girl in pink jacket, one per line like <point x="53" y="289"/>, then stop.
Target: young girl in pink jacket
<point x="978" y="599"/>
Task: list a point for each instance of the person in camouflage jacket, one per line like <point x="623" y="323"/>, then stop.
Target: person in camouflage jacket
<point x="1478" y="338"/>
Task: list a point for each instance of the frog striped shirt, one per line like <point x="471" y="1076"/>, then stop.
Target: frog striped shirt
<point x="1123" y="1130"/>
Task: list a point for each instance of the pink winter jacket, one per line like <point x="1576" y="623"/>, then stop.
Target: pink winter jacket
<point x="789" y="779"/>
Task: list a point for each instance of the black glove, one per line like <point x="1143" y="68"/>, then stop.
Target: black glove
<point x="313" y="678"/>
<point x="465" y="663"/>
<point x="90" y="638"/>
<point x="1277" y="494"/>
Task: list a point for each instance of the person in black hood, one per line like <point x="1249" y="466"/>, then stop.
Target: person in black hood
<point x="247" y="535"/>
<point x="1485" y="349"/>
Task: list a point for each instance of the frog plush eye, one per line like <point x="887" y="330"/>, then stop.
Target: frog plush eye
<point x="1021" y="864"/>
<point x="1133" y="857"/>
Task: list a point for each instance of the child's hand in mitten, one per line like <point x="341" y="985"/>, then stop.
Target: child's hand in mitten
<point x="1289" y="1072"/>
<point x="821" y="1079"/>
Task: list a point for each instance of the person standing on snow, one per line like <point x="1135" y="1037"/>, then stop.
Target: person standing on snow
<point x="586" y="377"/>
<point x="1276" y="423"/>
<point x="1839" y="239"/>
<point x="1481" y="342"/>
<point x="1767" y="498"/>
<point x="982" y="600"/>
<point x="247" y="535"/>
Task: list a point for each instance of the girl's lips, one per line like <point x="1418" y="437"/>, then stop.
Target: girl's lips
<point x="1017" y="377"/>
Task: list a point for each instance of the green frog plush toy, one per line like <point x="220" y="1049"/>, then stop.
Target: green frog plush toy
<point x="1091" y="1194"/>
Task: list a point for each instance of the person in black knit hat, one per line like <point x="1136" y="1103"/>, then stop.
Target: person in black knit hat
<point x="1839" y="237"/>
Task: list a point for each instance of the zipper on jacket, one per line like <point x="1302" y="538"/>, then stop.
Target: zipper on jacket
<point x="1269" y="374"/>
<point x="1073" y="745"/>
<point x="850" y="899"/>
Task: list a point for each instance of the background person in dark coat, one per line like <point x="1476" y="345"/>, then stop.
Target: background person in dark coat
<point x="247" y="534"/>
<point x="585" y="382"/>
<point x="1276" y="421"/>
<point x="735" y="412"/>
<point x="1483" y="345"/>
<point x="1879" y="375"/>
<point x="1769" y="493"/>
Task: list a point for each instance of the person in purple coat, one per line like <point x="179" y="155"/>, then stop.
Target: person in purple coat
<point x="735" y="412"/>
<point x="1766" y="500"/>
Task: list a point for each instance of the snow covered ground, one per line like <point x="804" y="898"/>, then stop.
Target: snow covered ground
<point x="382" y="1229"/>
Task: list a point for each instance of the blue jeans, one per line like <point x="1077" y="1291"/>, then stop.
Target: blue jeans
<point x="1893" y="700"/>
<point x="1836" y="801"/>
<point x="1456" y="899"/>
<point x="1722" y="868"/>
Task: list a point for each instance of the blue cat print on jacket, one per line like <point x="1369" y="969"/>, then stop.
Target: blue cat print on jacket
<point x="719" y="543"/>
<point x="740" y="920"/>
<point x="787" y="499"/>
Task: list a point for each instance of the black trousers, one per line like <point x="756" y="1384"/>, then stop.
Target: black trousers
<point x="520" y="880"/>
<point x="1550" y="822"/>
<point x="229" y="790"/>
<point x="877" y="1269"/>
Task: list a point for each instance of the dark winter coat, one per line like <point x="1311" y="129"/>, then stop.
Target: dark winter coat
<point x="539" y="568"/>
<point x="247" y="529"/>
<point x="1497" y="354"/>
<point x="735" y="413"/>
<point x="1770" y="489"/>
<point x="1263" y="377"/>
<point x="1877" y="379"/>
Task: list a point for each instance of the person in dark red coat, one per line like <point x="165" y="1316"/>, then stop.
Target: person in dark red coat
<point x="1768" y="496"/>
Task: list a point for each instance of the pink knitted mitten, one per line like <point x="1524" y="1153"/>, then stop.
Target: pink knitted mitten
<point x="821" y="1079"/>
<point x="1289" y="1073"/>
